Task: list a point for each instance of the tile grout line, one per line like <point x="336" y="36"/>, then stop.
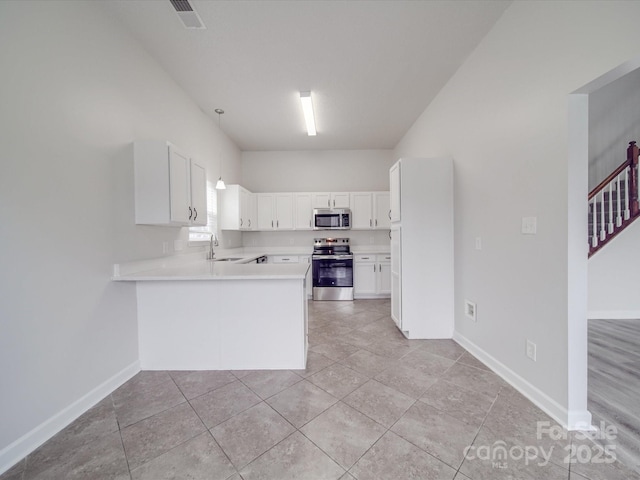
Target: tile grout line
<point x="126" y="457"/>
<point x="204" y="424"/>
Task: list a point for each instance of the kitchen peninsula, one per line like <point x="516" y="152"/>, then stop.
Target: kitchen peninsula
<point x="221" y="315"/>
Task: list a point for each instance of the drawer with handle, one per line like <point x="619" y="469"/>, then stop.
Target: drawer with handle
<point x="284" y="259"/>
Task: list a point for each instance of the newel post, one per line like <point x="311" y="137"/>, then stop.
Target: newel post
<point x="632" y="158"/>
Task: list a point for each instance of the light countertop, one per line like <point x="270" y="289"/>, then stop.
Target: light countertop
<point x="195" y="267"/>
<point x="212" y="270"/>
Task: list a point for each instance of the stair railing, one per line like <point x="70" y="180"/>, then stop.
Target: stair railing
<point x="614" y="204"/>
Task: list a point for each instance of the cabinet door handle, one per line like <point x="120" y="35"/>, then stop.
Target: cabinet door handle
<point x="190" y="213"/>
<point x="309" y="223"/>
<point x="249" y="223"/>
<point x="374" y="268"/>
<point x="195" y="214"/>
<point x="376" y="222"/>
<point x="329" y="203"/>
<point x="389" y="214"/>
<point x="271" y="223"/>
<point x="389" y="234"/>
<point x="277" y="223"/>
<point x="334" y="202"/>
<point x="241" y="222"/>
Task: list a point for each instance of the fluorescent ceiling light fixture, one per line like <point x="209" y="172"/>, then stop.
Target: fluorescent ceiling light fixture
<point x="307" y="108"/>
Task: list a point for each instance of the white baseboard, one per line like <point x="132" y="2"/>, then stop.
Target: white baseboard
<point x="26" y="444"/>
<point x="613" y="315"/>
<point x="572" y="420"/>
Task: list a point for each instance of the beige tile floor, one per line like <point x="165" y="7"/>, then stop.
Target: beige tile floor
<point x="370" y="405"/>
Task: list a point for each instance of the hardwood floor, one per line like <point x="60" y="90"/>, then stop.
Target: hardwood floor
<point x="614" y="382"/>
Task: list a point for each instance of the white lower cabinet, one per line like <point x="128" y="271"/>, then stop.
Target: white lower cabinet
<point x="284" y="259"/>
<point x="372" y="275"/>
<point x="383" y="277"/>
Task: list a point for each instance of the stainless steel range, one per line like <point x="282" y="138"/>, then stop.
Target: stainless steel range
<point x="332" y="266"/>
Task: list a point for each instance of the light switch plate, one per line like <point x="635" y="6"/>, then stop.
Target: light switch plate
<point x="470" y="310"/>
<point x="529" y="225"/>
<point x="531" y="350"/>
<point x="478" y="243"/>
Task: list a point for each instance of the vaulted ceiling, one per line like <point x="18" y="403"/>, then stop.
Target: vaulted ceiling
<point x="372" y="66"/>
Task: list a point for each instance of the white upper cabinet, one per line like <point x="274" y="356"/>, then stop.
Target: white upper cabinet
<point x="382" y="210"/>
<point x="284" y="211"/>
<point x="247" y="210"/>
<point x="237" y="208"/>
<point x="170" y="188"/>
<point x="361" y="210"/>
<point x="240" y="209"/>
<point x="275" y="211"/>
<point x="198" y="194"/>
<point x="265" y="211"/>
<point x="394" y="180"/>
<point x="303" y="211"/>
<point x="340" y="200"/>
<point x="179" y="192"/>
<point x="370" y="210"/>
<point x="331" y="200"/>
<point x="321" y="200"/>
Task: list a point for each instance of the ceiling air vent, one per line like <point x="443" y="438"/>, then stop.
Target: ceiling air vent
<point x="187" y="14"/>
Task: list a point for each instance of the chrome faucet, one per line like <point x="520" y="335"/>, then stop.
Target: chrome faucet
<point x="213" y="242"/>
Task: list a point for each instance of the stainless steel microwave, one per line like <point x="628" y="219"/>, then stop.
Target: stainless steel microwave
<point x="331" y="219"/>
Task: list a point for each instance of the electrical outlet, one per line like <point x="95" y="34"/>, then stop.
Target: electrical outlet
<point x="478" y="243"/>
<point x="470" y="310"/>
<point x="529" y="225"/>
<point x="531" y="350"/>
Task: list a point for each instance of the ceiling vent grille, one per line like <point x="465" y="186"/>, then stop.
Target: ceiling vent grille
<point x="187" y="14"/>
<point x="181" y="5"/>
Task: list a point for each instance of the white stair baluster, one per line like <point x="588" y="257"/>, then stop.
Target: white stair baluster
<point x="627" y="212"/>
<point x="594" y="220"/>
<point x="603" y="232"/>
<point x="610" y="224"/>
<point x="619" y="205"/>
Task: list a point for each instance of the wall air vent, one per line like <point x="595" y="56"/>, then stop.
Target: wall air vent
<point x="187" y="14"/>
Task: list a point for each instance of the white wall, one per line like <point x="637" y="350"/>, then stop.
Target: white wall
<point x="504" y="119"/>
<point x="76" y="91"/>
<point x="614" y="121"/>
<point x="613" y="277"/>
<point x="317" y="170"/>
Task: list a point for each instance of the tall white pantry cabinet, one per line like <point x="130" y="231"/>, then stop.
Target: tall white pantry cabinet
<point x="422" y="247"/>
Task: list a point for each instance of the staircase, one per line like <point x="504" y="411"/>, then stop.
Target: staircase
<point x="613" y="204"/>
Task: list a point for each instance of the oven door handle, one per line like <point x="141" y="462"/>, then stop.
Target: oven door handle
<point x="332" y="257"/>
